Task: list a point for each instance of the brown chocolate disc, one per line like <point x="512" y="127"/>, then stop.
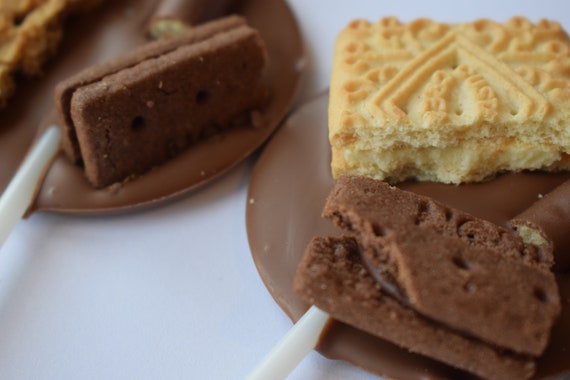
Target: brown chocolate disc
<point x="286" y="196"/>
<point x="110" y="30"/>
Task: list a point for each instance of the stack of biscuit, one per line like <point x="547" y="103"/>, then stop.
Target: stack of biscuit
<point x="432" y="279"/>
<point x="127" y="115"/>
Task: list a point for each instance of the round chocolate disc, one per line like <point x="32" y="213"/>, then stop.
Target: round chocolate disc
<point x="287" y="192"/>
<point x="106" y="32"/>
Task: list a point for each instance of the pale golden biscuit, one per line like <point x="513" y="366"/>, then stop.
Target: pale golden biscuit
<point x="449" y="102"/>
<point x="30" y="31"/>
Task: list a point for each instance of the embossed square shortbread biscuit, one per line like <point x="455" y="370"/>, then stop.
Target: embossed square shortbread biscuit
<point x="449" y="102"/>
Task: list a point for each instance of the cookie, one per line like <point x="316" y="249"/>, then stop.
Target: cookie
<point x="126" y="116"/>
<point x="461" y="271"/>
<point x="30" y="31"/>
<point x="449" y="103"/>
<point x="332" y="277"/>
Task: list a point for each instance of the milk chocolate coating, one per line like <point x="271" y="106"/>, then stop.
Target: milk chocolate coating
<point x="287" y="192"/>
<point x="107" y="32"/>
<point x="550" y="216"/>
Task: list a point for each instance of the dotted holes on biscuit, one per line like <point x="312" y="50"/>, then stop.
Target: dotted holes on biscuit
<point x="540" y="294"/>
<point x="379" y="231"/>
<point x="202" y="97"/>
<point x="138" y="123"/>
<point x="469" y="287"/>
<point x="422" y="213"/>
<point x="461" y="263"/>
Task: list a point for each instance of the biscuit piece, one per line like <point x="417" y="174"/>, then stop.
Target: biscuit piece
<point x="432" y="279"/>
<point x="30" y="31"/>
<point x="461" y="271"/>
<point x="127" y="115"/>
<point x="332" y="277"/>
<point x="546" y="223"/>
<point x="449" y="102"/>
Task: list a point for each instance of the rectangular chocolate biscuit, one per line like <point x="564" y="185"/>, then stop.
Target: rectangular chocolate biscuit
<point x="125" y="116"/>
<point x="332" y="277"/>
<point x="459" y="270"/>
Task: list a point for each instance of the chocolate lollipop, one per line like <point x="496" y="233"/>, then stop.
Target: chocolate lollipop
<point x="64" y="187"/>
<point x="125" y="116"/>
<point x="284" y="213"/>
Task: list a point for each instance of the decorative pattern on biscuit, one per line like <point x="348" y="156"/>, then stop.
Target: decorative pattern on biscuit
<point x="449" y="102"/>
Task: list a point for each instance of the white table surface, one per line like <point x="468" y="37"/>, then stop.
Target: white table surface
<point x="172" y="292"/>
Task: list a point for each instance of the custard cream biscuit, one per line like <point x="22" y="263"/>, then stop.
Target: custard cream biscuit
<point x="449" y="102"/>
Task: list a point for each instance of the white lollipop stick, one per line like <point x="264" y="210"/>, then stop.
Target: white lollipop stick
<point x="21" y="190"/>
<point x="293" y="347"/>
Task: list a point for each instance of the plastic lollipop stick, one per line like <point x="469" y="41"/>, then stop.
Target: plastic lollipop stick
<point x="21" y="190"/>
<point x="293" y="347"/>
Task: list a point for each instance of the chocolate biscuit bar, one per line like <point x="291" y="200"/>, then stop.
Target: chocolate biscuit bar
<point x="332" y="276"/>
<point x="125" y="116"/>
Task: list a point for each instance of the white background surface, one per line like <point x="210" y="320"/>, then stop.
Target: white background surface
<point x="172" y="292"/>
